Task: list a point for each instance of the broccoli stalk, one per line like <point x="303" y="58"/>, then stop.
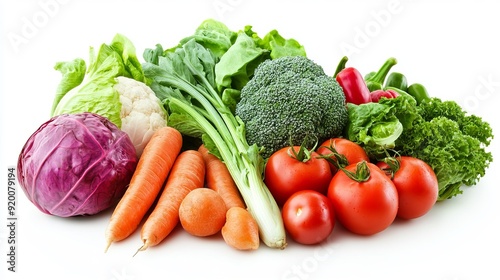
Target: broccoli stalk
<point x="184" y="79"/>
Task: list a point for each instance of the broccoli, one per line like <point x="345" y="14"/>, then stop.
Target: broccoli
<point x="291" y="100"/>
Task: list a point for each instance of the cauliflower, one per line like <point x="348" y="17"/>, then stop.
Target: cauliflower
<point x="142" y="113"/>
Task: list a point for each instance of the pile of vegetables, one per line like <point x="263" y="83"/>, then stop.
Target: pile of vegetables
<point x="231" y="132"/>
<point x="113" y="86"/>
<point x="415" y="124"/>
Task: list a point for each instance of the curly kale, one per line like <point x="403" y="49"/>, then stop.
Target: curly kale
<point x="291" y="99"/>
<point x="471" y="125"/>
<point x="452" y="142"/>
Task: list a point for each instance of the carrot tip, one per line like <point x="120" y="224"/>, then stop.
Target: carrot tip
<point x="107" y="246"/>
<point x="142" y="248"/>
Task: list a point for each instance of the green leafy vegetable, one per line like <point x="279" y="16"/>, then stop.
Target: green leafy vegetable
<point x="377" y="125"/>
<point x="471" y="125"/>
<point x="277" y="44"/>
<point x="72" y="75"/>
<point x="438" y="132"/>
<point x="237" y="65"/>
<point x="452" y="142"/>
<point x="95" y="92"/>
<point x="213" y="35"/>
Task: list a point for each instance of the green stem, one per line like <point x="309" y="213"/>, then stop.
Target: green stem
<point x="340" y="160"/>
<point x="340" y="66"/>
<point x="361" y="174"/>
<point x="226" y="115"/>
<point x="394" y="165"/>
<point x="377" y="80"/>
<point x="206" y="101"/>
<point x="303" y="154"/>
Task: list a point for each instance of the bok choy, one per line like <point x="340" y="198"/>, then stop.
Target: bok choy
<point x="185" y="78"/>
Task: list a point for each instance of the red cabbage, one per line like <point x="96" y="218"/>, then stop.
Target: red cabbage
<point x="76" y="164"/>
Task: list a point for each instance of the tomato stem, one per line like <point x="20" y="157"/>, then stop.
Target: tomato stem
<point x="394" y="165"/>
<point x="361" y="174"/>
<point x="340" y="159"/>
<point x="303" y="154"/>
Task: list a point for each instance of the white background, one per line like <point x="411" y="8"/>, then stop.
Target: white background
<point x="452" y="47"/>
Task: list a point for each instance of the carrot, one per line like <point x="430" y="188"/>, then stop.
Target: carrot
<point x="219" y="179"/>
<point x="187" y="174"/>
<point x="151" y="172"/>
<point x="240" y="230"/>
<point x="202" y="212"/>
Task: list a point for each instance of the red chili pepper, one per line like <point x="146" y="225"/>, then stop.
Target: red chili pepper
<point x="353" y="84"/>
<point x="388" y="93"/>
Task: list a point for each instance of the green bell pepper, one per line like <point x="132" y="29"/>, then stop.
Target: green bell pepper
<point x="397" y="80"/>
<point x="419" y="92"/>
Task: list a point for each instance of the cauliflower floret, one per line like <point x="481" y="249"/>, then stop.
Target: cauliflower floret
<point x="142" y="113"/>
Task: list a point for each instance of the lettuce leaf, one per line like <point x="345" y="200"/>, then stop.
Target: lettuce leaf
<point x="237" y="55"/>
<point x="374" y="126"/>
<point x="211" y="34"/>
<point x="238" y="64"/>
<point x="91" y="89"/>
<point x="276" y="44"/>
<point x="73" y="73"/>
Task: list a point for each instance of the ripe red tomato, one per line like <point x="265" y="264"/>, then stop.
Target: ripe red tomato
<point x="308" y="217"/>
<point x="363" y="207"/>
<point x="417" y="186"/>
<point x="352" y="151"/>
<point x="285" y="174"/>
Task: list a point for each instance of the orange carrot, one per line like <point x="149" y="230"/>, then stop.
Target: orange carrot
<point x="187" y="174"/>
<point x="219" y="179"/>
<point x="240" y="230"/>
<point x="151" y="172"/>
<point x="202" y="212"/>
